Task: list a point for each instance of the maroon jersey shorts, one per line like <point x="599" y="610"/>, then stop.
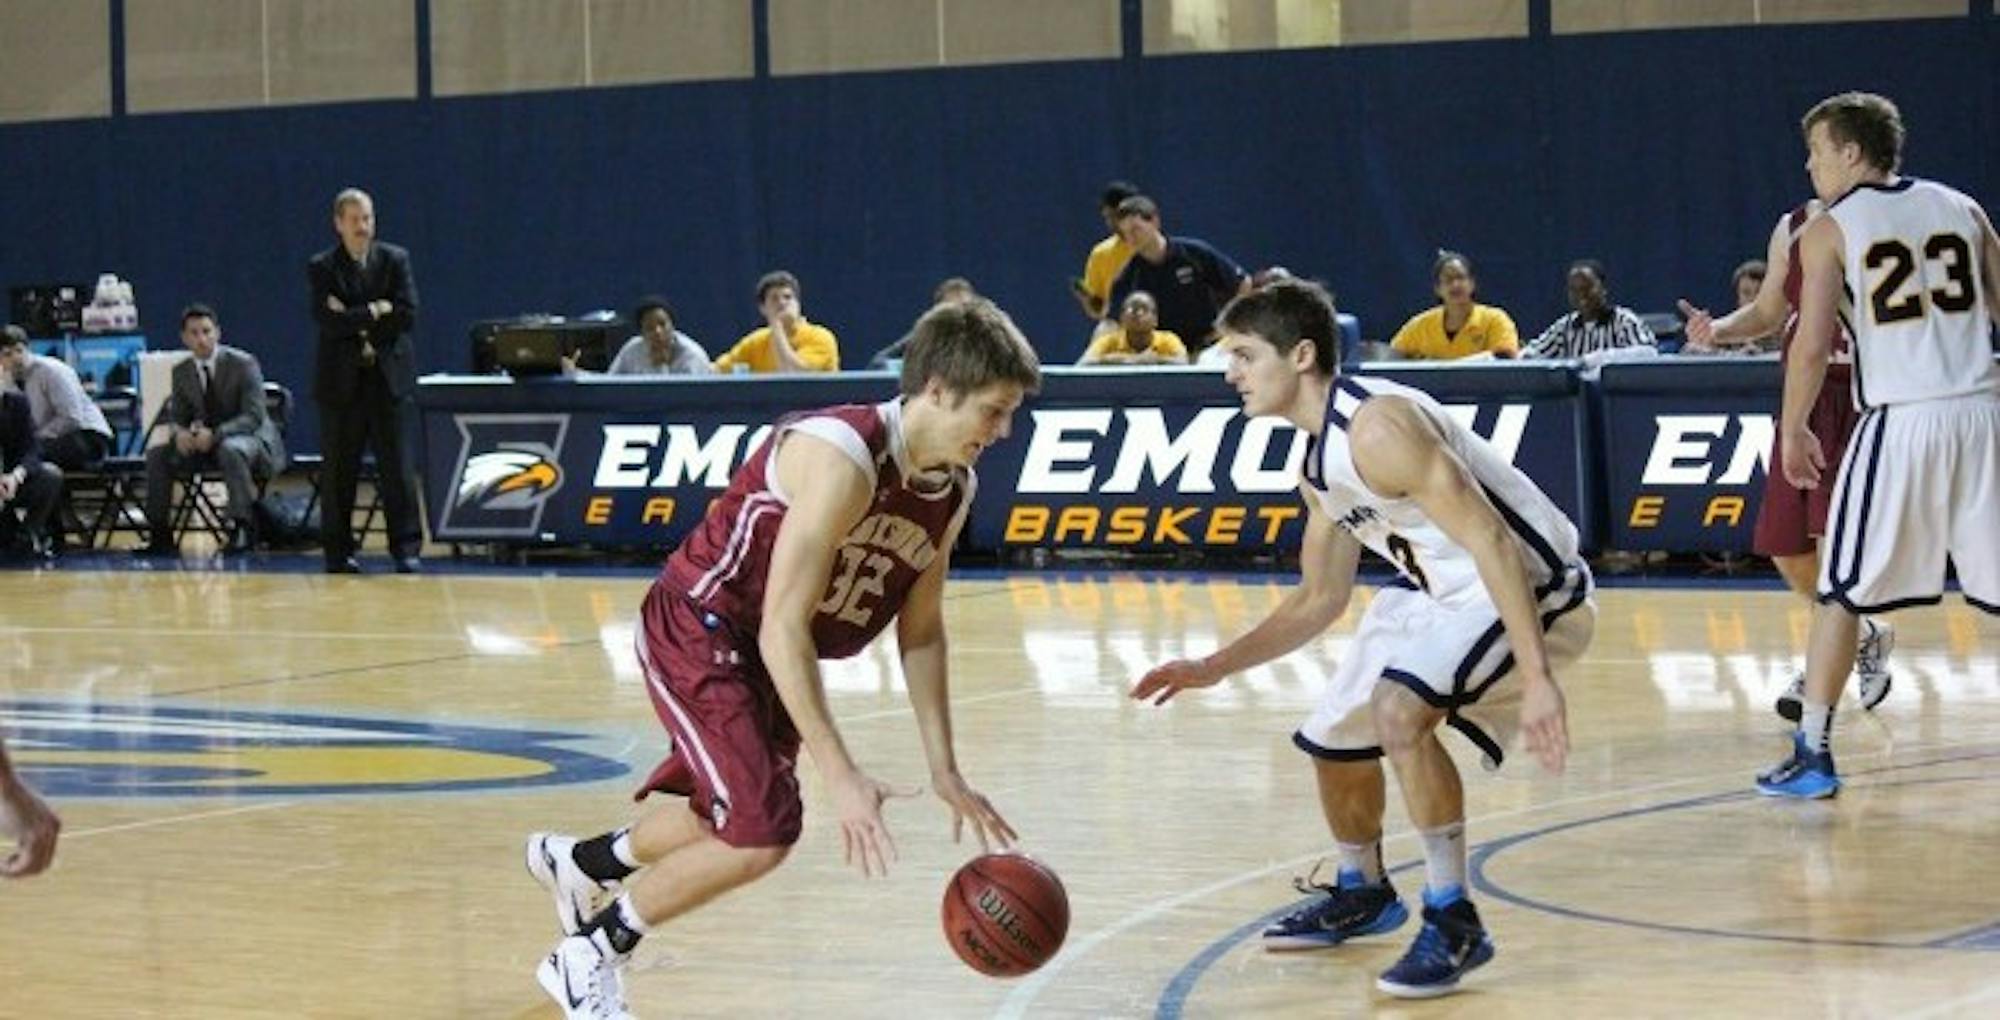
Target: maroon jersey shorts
<point x="734" y="746"/>
<point x="1791" y="520"/>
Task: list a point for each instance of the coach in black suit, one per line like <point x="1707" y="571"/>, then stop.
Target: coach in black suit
<point x="364" y="299"/>
<point x="218" y="419"/>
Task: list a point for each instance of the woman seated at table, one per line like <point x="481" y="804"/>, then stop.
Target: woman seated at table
<point x="659" y="349"/>
<point x="1458" y="327"/>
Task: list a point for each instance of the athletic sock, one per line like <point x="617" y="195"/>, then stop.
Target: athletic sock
<point x="1362" y="862"/>
<point x="606" y="858"/>
<point x="1444" y="863"/>
<point x="1816" y="726"/>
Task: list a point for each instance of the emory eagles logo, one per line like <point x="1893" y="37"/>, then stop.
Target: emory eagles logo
<point x="509" y="467"/>
<point x="509" y="479"/>
<point x="96" y="750"/>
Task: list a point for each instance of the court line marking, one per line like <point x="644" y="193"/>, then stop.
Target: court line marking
<point x="1018" y="1001"/>
<point x="76" y="834"/>
<point x="901" y="710"/>
<point x="346" y="670"/>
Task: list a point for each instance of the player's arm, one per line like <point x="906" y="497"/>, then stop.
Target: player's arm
<point x="1989" y="262"/>
<point x="1812" y="345"/>
<point x="1759" y="318"/>
<point x="1401" y="454"/>
<point x="920" y="640"/>
<point x="1327" y="562"/>
<point x="827" y="494"/>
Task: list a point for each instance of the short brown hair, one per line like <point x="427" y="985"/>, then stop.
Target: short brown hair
<point x="13" y="336"/>
<point x="1286" y="314"/>
<point x="1755" y="269"/>
<point x="1864" y="119"/>
<point x="1138" y="205"/>
<point x="772" y="281"/>
<point x="968" y="346"/>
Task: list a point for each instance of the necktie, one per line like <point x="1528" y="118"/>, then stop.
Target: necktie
<point x="208" y="408"/>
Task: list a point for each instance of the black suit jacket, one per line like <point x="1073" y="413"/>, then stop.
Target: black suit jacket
<point x="238" y="397"/>
<point x="18" y="446"/>
<point x="383" y="275"/>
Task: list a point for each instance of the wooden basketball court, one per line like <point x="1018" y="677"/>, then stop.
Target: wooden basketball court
<point x="296" y="795"/>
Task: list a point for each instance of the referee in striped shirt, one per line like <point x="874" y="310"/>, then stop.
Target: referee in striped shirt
<point x="1596" y="325"/>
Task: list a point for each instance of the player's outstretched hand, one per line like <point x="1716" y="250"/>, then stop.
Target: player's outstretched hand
<point x="1162" y="682"/>
<point x="864" y="836"/>
<point x="1544" y="724"/>
<point x="1700" y="328"/>
<point x="1804" y="460"/>
<point x="968" y="804"/>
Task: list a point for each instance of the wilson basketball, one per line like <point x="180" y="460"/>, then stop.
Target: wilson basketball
<point x="1005" y="914"/>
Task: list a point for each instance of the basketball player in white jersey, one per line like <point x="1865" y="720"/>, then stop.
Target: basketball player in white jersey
<point x="1492" y="599"/>
<point x="1790" y="520"/>
<point x="1914" y="268"/>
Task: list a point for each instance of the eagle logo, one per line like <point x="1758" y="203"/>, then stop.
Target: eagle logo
<point x="513" y="478"/>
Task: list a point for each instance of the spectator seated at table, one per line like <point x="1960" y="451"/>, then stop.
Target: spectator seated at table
<point x="1138" y="340"/>
<point x="786" y="342"/>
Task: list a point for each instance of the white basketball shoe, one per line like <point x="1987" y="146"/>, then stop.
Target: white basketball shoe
<point x="576" y="894"/>
<point x="584" y="981"/>
<point x="1871" y="665"/>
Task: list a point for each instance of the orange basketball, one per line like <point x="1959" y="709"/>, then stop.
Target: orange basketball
<point x="1005" y="914"/>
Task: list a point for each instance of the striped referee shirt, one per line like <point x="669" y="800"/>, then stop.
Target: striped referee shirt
<point x="1573" y="337"/>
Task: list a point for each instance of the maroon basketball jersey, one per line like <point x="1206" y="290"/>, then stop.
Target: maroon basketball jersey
<point x="1837" y="368"/>
<point x="723" y="563"/>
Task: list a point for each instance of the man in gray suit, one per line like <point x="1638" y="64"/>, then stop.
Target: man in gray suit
<point x="219" y="421"/>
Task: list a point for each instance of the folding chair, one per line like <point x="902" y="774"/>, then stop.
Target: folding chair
<point x="197" y="507"/>
<point x="95" y="503"/>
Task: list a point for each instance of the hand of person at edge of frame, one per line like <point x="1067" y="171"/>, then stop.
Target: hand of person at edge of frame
<point x="335" y="304"/>
<point x="1544" y="724"/>
<point x="1162" y="682"/>
<point x="1804" y="460"/>
<point x="968" y="804"/>
<point x="864" y="836"/>
<point x="26" y="818"/>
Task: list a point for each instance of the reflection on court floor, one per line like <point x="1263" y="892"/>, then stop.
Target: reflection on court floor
<point x="298" y="795"/>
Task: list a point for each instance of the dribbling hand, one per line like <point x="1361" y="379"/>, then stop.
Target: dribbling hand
<point x="1162" y="682"/>
<point x="969" y="804"/>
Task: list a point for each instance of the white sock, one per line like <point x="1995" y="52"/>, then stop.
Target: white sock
<point x="621" y="848"/>
<point x="1362" y="858"/>
<point x="1444" y="858"/>
<point x="1816" y="726"/>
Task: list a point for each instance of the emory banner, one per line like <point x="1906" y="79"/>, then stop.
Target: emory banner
<point x="1146" y="458"/>
<point x="1687" y="444"/>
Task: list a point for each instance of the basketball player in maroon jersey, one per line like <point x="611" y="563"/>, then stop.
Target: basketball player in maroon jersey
<point x="1791" y="520"/>
<point x="843" y="520"/>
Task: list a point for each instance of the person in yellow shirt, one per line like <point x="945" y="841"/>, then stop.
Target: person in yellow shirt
<point x="1106" y="260"/>
<point x="786" y="342"/>
<point x="1137" y="341"/>
<point x="1458" y="327"/>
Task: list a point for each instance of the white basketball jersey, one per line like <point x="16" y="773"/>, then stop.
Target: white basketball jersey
<point x="1915" y="299"/>
<point x="1397" y="529"/>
